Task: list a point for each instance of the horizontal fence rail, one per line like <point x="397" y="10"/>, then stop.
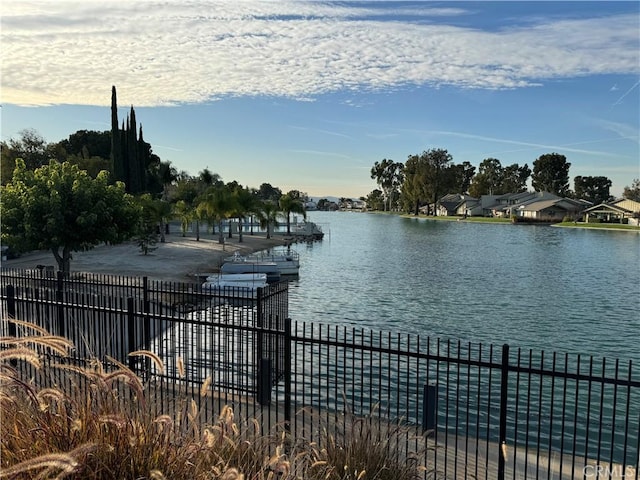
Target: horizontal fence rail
<point x="468" y="410"/>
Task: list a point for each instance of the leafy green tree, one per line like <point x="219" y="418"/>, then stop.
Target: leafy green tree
<point x="514" y="178"/>
<point x="488" y="181"/>
<point x="147" y="234"/>
<point x="375" y="200"/>
<point x="88" y="143"/>
<point x="31" y="147"/>
<point x="462" y="175"/>
<point x="156" y="212"/>
<point x="389" y="177"/>
<point x="632" y="192"/>
<point x="551" y="174"/>
<point x="93" y="165"/>
<point x="414" y="188"/>
<point x="438" y="174"/>
<point x="59" y="207"/>
<point x="592" y="189"/>
<point x="267" y="192"/>
<point x="267" y="214"/>
<point x="288" y="205"/>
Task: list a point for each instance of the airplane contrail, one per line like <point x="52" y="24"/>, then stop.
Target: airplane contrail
<point x="626" y="93"/>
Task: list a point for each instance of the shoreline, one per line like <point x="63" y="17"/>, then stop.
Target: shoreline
<point x="178" y="259"/>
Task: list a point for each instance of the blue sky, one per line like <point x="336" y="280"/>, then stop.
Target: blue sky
<point x="308" y="95"/>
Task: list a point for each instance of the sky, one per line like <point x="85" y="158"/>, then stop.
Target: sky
<point x="308" y="95"/>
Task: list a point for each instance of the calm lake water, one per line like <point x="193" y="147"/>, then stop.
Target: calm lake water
<point x="539" y="287"/>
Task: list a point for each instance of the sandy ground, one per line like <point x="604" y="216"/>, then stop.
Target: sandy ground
<point x="179" y="259"/>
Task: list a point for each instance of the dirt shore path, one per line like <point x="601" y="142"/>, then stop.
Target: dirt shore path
<point x="179" y="259"/>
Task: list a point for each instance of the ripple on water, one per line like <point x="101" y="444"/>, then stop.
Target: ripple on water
<point x="565" y="290"/>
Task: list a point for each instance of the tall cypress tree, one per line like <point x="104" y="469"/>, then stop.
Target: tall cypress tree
<point x="132" y="154"/>
<point x="143" y="161"/>
<point x="117" y="159"/>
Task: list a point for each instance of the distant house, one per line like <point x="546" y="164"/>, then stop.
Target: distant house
<point x="458" y="204"/>
<point x="539" y="206"/>
<point x="549" y="210"/>
<point x="502" y="205"/>
<point x="620" y="211"/>
<point x="354" y="205"/>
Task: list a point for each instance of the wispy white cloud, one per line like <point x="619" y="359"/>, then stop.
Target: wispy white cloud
<point x="567" y="147"/>
<point x="173" y="52"/>
<point x="623" y="130"/>
<point x="321" y="153"/>
<point x="319" y="130"/>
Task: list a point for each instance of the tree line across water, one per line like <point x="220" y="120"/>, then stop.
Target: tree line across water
<point x="423" y="179"/>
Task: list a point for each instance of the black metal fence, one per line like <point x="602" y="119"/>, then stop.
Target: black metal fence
<point x="472" y="411"/>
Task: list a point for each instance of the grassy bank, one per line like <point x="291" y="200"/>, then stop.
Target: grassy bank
<point x="458" y="219"/>
<point x="599" y="226"/>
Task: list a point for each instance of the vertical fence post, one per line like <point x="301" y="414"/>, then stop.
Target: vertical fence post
<point x="59" y="304"/>
<point x="11" y="308"/>
<point x="429" y="400"/>
<point x="131" y="335"/>
<point x="259" y="348"/>
<point x="145" y="294"/>
<point x="11" y="313"/>
<point x="264" y="382"/>
<point x="60" y="280"/>
<point x="287" y="374"/>
<point x="259" y="314"/>
<point x="504" y="384"/>
<point x="146" y="326"/>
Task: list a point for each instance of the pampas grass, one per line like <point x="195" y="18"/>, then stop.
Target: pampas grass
<point x="363" y="448"/>
<point x="99" y="426"/>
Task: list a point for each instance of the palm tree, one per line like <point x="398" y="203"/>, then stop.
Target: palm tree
<point x="185" y="213"/>
<point x="267" y="214"/>
<point x="167" y="175"/>
<point x="217" y="204"/>
<point x="210" y="179"/>
<point x="164" y="211"/>
<point x="245" y="202"/>
<point x="288" y="205"/>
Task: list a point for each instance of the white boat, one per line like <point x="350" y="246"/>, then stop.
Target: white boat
<point x="307" y="230"/>
<point x="238" y="285"/>
<point x="286" y="259"/>
<point x="246" y="278"/>
<point x="238" y="264"/>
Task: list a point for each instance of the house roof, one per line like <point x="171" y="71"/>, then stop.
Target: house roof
<point x="452" y="201"/>
<point x="607" y="207"/>
<point x="628" y="204"/>
<point x="538" y="206"/>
